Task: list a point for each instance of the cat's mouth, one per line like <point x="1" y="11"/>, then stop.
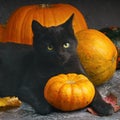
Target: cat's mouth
<point x="62" y="60"/>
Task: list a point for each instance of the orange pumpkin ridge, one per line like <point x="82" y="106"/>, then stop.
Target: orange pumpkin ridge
<point x="2" y="31"/>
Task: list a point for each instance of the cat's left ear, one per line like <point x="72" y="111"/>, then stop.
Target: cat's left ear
<point x="68" y="24"/>
<point x="37" y="27"/>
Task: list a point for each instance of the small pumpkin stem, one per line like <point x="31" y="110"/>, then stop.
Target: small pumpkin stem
<point x="45" y="5"/>
<point x="70" y="81"/>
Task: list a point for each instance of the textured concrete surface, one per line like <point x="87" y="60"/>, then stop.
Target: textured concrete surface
<point x="98" y="14"/>
<point x="25" y="112"/>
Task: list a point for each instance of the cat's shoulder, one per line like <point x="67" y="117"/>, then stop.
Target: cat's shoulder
<point x="10" y="47"/>
<point x="13" y="52"/>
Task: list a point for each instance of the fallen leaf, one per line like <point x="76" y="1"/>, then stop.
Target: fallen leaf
<point x="9" y="102"/>
<point x="112" y="99"/>
<point x="90" y="110"/>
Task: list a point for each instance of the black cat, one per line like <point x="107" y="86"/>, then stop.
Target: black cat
<point x="25" y="69"/>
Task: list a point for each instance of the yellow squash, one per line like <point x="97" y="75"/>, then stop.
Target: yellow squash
<point x="97" y="54"/>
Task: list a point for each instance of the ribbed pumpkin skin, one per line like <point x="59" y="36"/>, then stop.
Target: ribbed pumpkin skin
<point x="19" y="24"/>
<point x="69" y="92"/>
<point x="97" y="54"/>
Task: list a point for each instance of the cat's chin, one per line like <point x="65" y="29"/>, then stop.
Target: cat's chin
<point x="59" y="63"/>
<point x="62" y="63"/>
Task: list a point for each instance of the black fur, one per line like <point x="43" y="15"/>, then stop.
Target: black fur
<point x="25" y="69"/>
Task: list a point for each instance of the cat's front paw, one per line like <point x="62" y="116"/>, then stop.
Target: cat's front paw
<point x="44" y="110"/>
<point x="104" y="109"/>
<point x="101" y="107"/>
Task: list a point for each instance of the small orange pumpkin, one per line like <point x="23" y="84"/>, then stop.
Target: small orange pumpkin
<point x="69" y="92"/>
<point x="19" y="24"/>
<point x="98" y="55"/>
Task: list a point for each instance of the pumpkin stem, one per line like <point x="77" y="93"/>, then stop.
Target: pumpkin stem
<point x="70" y="81"/>
<point x="45" y="5"/>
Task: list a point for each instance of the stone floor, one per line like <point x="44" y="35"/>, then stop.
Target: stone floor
<point x="25" y="112"/>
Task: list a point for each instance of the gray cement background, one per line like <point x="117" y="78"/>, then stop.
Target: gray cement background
<point x="98" y="14"/>
<point x="25" y="112"/>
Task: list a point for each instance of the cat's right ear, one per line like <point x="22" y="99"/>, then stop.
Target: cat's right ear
<point x="37" y="27"/>
<point x="68" y="24"/>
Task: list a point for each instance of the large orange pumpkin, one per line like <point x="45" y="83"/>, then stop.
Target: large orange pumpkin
<point x="19" y="24"/>
<point x="98" y="55"/>
<point x="69" y="92"/>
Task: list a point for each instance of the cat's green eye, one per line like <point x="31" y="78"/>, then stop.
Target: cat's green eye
<point x="50" y="47"/>
<point x="66" y="45"/>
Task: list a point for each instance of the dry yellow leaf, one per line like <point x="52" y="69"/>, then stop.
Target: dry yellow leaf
<point x="9" y="102"/>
